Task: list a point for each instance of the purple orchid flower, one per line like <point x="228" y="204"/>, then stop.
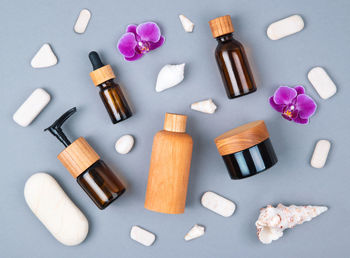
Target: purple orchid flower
<point x="293" y="103"/>
<point x="140" y="39"/>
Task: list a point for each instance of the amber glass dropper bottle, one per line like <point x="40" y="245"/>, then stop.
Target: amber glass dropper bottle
<point x="231" y="59"/>
<point x="110" y="92"/>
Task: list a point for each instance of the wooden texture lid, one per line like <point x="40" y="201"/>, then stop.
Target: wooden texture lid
<point x="175" y="123"/>
<point x="242" y="137"/>
<point x="102" y="74"/>
<point x="78" y="156"/>
<point x="221" y="26"/>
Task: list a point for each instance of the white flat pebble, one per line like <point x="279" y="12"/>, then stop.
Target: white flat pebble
<point x="319" y="157"/>
<point x="322" y="83"/>
<point x="124" y="144"/>
<point x="285" y="27"/>
<point x="82" y="21"/>
<point x="187" y="24"/>
<point x="44" y="57"/>
<point x="169" y="76"/>
<point x="195" y="232"/>
<point x="142" y="236"/>
<point x="205" y="106"/>
<point x="55" y="210"/>
<point x="32" y="107"/>
<point x="218" y="204"/>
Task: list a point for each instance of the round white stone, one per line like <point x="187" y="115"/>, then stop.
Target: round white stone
<point x="124" y="144"/>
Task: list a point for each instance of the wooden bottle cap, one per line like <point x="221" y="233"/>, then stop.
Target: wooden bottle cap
<point x="102" y="74"/>
<point x="242" y="137"/>
<point x="175" y="123"/>
<point x="78" y="156"/>
<point x="221" y="26"/>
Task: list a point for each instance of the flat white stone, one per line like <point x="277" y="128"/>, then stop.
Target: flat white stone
<point x="55" y="210"/>
<point x="195" y="232"/>
<point x="187" y="24"/>
<point x="169" y="76"/>
<point x="124" y="144"/>
<point x="218" y="204"/>
<point x="32" y="107"/>
<point x="205" y="106"/>
<point x="285" y="27"/>
<point x="82" y="21"/>
<point x="322" y="83"/>
<point x="319" y="157"/>
<point x="142" y="236"/>
<point x="44" y="57"/>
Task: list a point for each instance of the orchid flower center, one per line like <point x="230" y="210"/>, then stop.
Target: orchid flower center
<point x="143" y="46"/>
<point x="290" y="111"/>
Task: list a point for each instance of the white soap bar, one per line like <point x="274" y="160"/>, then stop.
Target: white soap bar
<point x="32" y="107"/>
<point x="319" y="157"/>
<point x="285" y="27"/>
<point x="44" y="57"/>
<point x="82" y="21"/>
<point x="55" y="210"/>
<point x="142" y="236"/>
<point x="322" y="83"/>
<point x="124" y="144"/>
<point x="195" y="232"/>
<point x="218" y="204"/>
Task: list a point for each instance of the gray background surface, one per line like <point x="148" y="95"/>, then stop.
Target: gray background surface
<point x="325" y="41"/>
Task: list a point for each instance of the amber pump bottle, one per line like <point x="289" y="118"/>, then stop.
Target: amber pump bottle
<point x="170" y="167"/>
<point x="231" y="59"/>
<point x="84" y="164"/>
<point x="110" y="92"/>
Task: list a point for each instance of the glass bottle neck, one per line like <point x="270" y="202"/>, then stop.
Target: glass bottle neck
<point x="225" y="38"/>
<point x="107" y="84"/>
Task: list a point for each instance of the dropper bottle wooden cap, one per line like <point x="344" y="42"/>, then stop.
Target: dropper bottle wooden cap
<point x="101" y="72"/>
<point x="175" y="123"/>
<point x="221" y="26"/>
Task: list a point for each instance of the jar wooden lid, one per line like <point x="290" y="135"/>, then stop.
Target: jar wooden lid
<point x="242" y="137"/>
<point x="102" y="75"/>
<point x="78" y="156"/>
<point x="221" y="26"/>
<point x="175" y="123"/>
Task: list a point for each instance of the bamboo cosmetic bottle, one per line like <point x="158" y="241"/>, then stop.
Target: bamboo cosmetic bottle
<point x="170" y="167"/>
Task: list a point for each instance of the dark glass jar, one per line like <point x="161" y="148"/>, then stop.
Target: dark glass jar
<point x="101" y="184"/>
<point x="231" y="59"/>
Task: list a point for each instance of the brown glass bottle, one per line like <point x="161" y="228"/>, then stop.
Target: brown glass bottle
<point x="101" y="184"/>
<point x="231" y="59"/>
<point x="110" y="92"/>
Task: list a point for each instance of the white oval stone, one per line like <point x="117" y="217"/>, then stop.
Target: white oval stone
<point x="285" y="27"/>
<point x="322" y="83"/>
<point x="142" y="236"/>
<point x="124" y="144"/>
<point x="218" y="204"/>
<point x="55" y="210"/>
<point x="82" y="21"/>
<point x="319" y="157"/>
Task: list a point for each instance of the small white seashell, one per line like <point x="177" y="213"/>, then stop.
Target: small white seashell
<point x="218" y="204"/>
<point x="124" y="144"/>
<point x="319" y="157"/>
<point x="187" y="24"/>
<point x="169" y="76"/>
<point x="44" y="57"/>
<point x="273" y="221"/>
<point x="195" y="232"/>
<point x="285" y="27"/>
<point x="142" y="236"/>
<point x="82" y="21"/>
<point x="205" y="106"/>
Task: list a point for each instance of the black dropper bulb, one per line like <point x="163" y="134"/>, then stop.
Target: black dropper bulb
<point x="56" y="130"/>
<point x="95" y="60"/>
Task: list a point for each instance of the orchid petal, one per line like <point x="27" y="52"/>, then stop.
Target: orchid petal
<point x="133" y="58"/>
<point x="160" y="42"/>
<point x="131" y="28"/>
<point x="278" y="108"/>
<point x="287" y="117"/>
<point x="300" y="89"/>
<point x="306" y="106"/>
<point x="148" y="31"/>
<point x="300" y="120"/>
<point x="284" y="95"/>
<point x="127" y="44"/>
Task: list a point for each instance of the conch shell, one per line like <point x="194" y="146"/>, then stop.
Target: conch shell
<point x="273" y="221"/>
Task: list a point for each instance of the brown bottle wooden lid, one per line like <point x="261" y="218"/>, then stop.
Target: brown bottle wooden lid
<point x="78" y="156"/>
<point x="242" y="137"/>
<point x="102" y="74"/>
<point x="221" y="26"/>
<point x="175" y="123"/>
